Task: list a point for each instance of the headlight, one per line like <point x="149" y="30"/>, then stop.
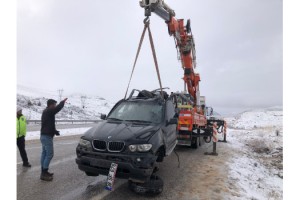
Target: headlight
<point x="84" y="143"/>
<point x="140" y="147"/>
<point x="132" y="148"/>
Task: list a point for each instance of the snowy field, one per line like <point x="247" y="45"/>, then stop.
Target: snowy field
<point x="256" y="167"/>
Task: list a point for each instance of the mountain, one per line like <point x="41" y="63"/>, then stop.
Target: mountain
<point x="78" y="106"/>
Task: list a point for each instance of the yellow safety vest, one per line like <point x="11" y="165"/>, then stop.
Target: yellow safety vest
<point x="21" y="126"/>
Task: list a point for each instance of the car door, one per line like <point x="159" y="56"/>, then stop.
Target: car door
<point x="170" y="129"/>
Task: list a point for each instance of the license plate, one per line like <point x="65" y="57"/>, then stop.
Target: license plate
<point x="111" y="176"/>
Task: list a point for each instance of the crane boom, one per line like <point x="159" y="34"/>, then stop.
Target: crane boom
<point x="192" y="120"/>
<point x="184" y="43"/>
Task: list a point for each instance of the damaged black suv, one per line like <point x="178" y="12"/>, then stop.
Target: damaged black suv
<point x="138" y="132"/>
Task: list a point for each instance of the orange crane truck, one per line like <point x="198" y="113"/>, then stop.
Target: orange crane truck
<point x="191" y="108"/>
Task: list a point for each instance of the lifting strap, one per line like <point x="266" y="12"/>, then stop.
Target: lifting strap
<point x="146" y="22"/>
<point x="155" y="61"/>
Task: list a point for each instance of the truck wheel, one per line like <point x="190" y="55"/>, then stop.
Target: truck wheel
<point x="91" y="174"/>
<point x="154" y="186"/>
<point x="195" y="142"/>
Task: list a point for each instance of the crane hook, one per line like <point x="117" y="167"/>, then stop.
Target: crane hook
<point x="146" y="20"/>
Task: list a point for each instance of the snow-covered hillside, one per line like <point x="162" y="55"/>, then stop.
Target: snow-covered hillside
<point x="33" y="102"/>
<point x="256" y="166"/>
<point x="258" y="118"/>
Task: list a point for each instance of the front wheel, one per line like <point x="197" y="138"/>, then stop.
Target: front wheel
<point x="154" y="186"/>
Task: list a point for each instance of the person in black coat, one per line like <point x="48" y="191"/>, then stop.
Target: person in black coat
<point x="48" y="130"/>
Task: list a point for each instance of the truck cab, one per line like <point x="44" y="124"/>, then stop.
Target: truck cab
<point x="191" y="118"/>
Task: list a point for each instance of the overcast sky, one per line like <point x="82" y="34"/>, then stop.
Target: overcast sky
<point x="88" y="47"/>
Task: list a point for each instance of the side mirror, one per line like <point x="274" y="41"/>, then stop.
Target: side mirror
<point x="173" y="121"/>
<point x="103" y="116"/>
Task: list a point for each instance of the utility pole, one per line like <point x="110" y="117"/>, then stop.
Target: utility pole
<point x="60" y="93"/>
<point x="83" y="99"/>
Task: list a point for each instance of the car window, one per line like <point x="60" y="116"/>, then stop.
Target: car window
<point x="138" y="111"/>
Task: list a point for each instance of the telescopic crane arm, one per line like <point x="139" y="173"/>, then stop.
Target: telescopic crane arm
<point x="184" y="42"/>
<point x="190" y="121"/>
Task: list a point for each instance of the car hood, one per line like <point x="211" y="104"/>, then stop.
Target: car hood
<point x="109" y="131"/>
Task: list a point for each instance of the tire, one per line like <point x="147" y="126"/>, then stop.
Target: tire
<point x="91" y="174"/>
<point x="195" y="142"/>
<point x="161" y="155"/>
<point x="154" y="186"/>
<point x="160" y="159"/>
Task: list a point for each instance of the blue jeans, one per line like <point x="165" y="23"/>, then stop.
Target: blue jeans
<point x="47" y="151"/>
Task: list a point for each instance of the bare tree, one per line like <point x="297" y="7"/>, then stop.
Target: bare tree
<point x="83" y="99"/>
<point x="60" y="93"/>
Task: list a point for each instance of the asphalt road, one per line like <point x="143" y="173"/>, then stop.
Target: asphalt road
<point x="198" y="177"/>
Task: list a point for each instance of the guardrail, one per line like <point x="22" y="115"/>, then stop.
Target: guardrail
<point x="66" y="121"/>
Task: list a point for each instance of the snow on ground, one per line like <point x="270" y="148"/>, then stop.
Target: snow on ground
<point x="256" y="165"/>
<point x="33" y="102"/>
<point x="33" y="135"/>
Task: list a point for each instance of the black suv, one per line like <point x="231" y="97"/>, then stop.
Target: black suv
<point x="138" y="132"/>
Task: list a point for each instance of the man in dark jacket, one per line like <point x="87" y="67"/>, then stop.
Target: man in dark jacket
<point x="48" y="131"/>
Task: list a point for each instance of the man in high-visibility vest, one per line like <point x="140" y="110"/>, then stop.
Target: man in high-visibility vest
<point x="21" y="133"/>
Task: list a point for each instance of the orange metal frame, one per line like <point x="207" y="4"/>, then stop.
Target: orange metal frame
<point x="188" y="119"/>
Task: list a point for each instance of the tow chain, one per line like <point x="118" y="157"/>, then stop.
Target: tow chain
<point x="146" y="27"/>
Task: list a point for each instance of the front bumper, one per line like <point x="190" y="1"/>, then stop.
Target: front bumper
<point x="128" y="165"/>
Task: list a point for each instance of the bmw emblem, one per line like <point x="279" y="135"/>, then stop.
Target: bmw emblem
<point x="109" y="137"/>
